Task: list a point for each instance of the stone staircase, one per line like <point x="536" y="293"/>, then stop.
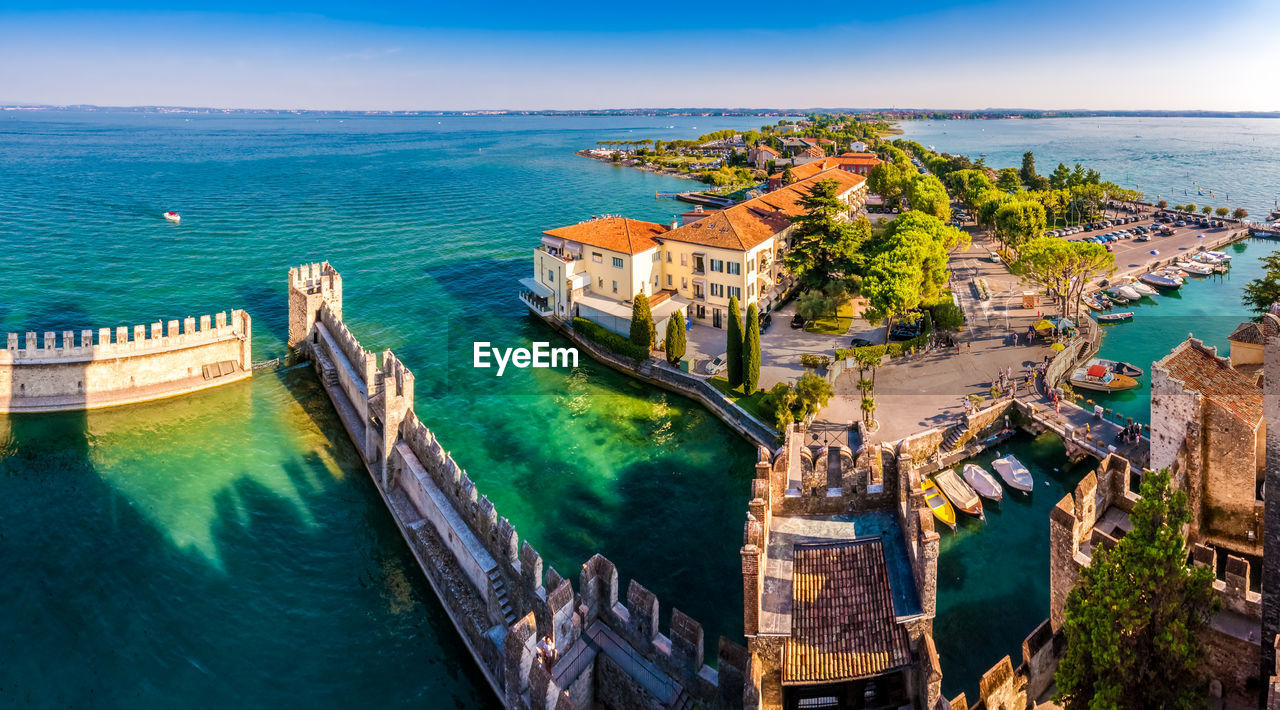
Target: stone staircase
<point x="951" y="437"/>
<point x="328" y="373"/>
<point x="500" y="595"/>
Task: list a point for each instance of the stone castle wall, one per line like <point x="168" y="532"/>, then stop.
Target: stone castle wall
<point x="538" y="643"/>
<point x="85" y="369"/>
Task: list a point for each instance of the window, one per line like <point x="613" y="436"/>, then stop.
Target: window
<point x="601" y="284"/>
<point x="698" y="267"/>
<point x="751" y="290"/>
<point x="684" y="284"/>
<point x="751" y="265"/>
<point x="655" y="281"/>
<point x="668" y="280"/>
<point x="668" y="257"/>
<point x="735" y="268"/>
<point x="615" y="286"/>
<point x="617" y="262"/>
<point x="697" y="291"/>
<point x="551" y="276"/>
<point x="657" y="256"/>
<point x="597" y="257"/>
<point x="684" y="259"/>
<point x="735" y="292"/>
<point x="717" y="265"/>
<point x="717" y="290"/>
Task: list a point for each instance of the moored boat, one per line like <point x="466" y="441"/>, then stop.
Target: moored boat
<point x="1196" y="268"/>
<point x="1142" y="288"/>
<point x="1118" y="367"/>
<point x="1126" y="292"/>
<point x="1094" y="303"/>
<point x="938" y="503"/>
<point x="1219" y="255"/>
<point x="1101" y="379"/>
<point x="982" y="483"/>
<point x="1015" y="475"/>
<point x="1115" y="317"/>
<point x="173" y="216"/>
<point x="958" y="492"/>
<point x="1160" y="280"/>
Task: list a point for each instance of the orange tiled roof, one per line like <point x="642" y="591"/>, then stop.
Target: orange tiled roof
<point x="815" y="152"/>
<point x="746" y="225"/>
<point x="1255" y="333"/>
<point x="1198" y="368"/>
<point x="842" y="621"/>
<point x="620" y="234"/>
<point x="764" y="148"/>
<point x="809" y="169"/>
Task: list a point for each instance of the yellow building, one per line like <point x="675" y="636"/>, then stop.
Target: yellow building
<point x="594" y="269"/>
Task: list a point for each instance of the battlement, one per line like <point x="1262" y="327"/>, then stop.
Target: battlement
<point x="125" y="341"/>
<point x="312" y="287"/>
<point x="319" y="278"/>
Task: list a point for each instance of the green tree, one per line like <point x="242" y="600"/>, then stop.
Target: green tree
<point x="1189" y="207"/>
<point x="1206" y="210"/>
<point x="1008" y="180"/>
<point x="1222" y="211"/>
<point x="947" y="316"/>
<point x="677" y="341"/>
<point x="1133" y="621"/>
<point x="1063" y="268"/>
<point x="825" y="246"/>
<point x="1240" y="213"/>
<point x="1028" y="171"/>
<point x="1261" y="293"/>
<point x="1060" y="179"/>
<point x="642" y="327"/>
<point x="1162" y="204"/>
<point x="812" y="393"/>
<point x="928" y="195"/>
<point x="1019" y="221"/>
<point x="751" y="351"/>
<point x="788" y="177"/>
<point x="783" y="399"/>
<point x="733" y="343"/>
<point x="812" y="305"/>
<point x="887" y="180"/>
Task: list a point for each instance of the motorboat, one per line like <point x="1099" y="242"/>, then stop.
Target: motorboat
<point x="1127" y="293"/>
<point x="1142" y="288"/>
<point x="1097" y="304"/>
<point x="983" y="483"/>
<point x="1100" y="379"/>
<point x="173" y="216"/>
<point x="1160" y="280"/>
<point x="938" y="503"/>
<point x="1015" y="475"/>
<point x="1118" y="367"/>
<point x="1115" y="317"/>
<point x="1219" y="255"/>
<point x="958" y="492"/>
<point x="1205" y="257"/>
<point x="1196" y="268"/>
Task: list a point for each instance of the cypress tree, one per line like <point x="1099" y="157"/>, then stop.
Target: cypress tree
<point x="676" y="341"/>
<point x="733" y="347"/>
<point x="751" y="351"/>
<point x="642" y="328"/>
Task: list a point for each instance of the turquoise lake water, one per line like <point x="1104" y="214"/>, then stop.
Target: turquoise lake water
<point x="1237" y="159"/>
<point x="228" y="546"/>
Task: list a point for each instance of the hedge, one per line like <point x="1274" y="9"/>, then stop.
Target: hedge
<point x="897" y="349"/>
<point x="597" y="334"/>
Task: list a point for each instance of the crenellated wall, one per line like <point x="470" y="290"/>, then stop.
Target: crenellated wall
<point x="86" y="369"/>
<point x="539" y="644"/>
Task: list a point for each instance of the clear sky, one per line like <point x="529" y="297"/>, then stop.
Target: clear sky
<point x="348" y="54"/>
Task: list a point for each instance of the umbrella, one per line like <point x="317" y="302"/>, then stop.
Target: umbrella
<point x="1199" y="236"/>
<point x="1153" y="251"/>
<point x="1057" y="347"/>
<point x="1063" y="323"/>
<point x="1043" y="325"/>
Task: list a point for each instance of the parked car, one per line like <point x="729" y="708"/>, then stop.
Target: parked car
<point x="904" y="331"/>
<point x="1180" y="223"/>
<point x="718" y="365"/>
<point x="860" y="343"/>
<point x="1144" y="237"/>
<point x="797" y="321"/>
<point x="994" y="258"/>
<point x="765" y="321"/>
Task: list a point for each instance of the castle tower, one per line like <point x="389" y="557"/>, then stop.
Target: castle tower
<point x="311" y="286"/>
<point x="391" y="403"/>
<point x="1271" y="504"/>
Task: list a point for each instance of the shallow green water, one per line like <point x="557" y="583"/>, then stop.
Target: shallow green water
<point x="228" y="547"/>
<point x="993" y="574"/>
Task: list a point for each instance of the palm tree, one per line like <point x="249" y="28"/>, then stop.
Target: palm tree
<point x="868" y="409"/>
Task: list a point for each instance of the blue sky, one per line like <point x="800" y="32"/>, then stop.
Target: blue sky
<point x="523" y="55"/>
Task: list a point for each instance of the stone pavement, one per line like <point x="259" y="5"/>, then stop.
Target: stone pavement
<point x="928" y="389"/>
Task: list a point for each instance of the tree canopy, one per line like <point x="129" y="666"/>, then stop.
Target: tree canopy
<point x="1133" y="621"/>
<point x="1062" y="267"/>
<point x="824" y="246"/>
<point x="1262" y="292"/>
<point x="1018" y="221"/>
<point x="733" y="344"/>
<point x="928" y="195"/>
<point x="642" y="327"/>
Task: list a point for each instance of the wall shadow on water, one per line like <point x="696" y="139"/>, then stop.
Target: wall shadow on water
<point x="103" y="609"/>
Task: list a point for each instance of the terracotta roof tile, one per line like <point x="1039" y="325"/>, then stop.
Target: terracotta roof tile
<point x="1255" y="333"/>
<point x="746" y="225"/>
<point x="620" y="234"/>
<point x="842" y="622"/>
<point x="1199" y="369"/>
<point x="849" y="159"/>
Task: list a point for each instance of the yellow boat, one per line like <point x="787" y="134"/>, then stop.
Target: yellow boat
<point x="938" y="503"/>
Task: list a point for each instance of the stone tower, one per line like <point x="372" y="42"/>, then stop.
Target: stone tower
<point x="390" y="402"/>
<point x="1271" y="504"/>
<point x="311" y="286"/>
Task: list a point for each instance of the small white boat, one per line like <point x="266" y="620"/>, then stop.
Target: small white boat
<point x="958" y="492"/>
<point x="1015" y="475"/>
<point x="982" y="483"/>
<point x="1118" y="367"/>
<point x="1192" y="267"/>
<point x="1115" y="317"/>
<point x="173" y="216"/>
<point x="1142" y="288"/>
<point x="1219" y="255"/>
<point x="1161" y="280"/>
<point x="1126" y="292"/>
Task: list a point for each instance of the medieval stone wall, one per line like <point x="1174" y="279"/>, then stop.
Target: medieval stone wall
<point x="76" y="370"/>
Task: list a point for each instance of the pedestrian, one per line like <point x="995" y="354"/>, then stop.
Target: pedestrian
<point x="970" y="345"/>
<point x="1087" y="428"/>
